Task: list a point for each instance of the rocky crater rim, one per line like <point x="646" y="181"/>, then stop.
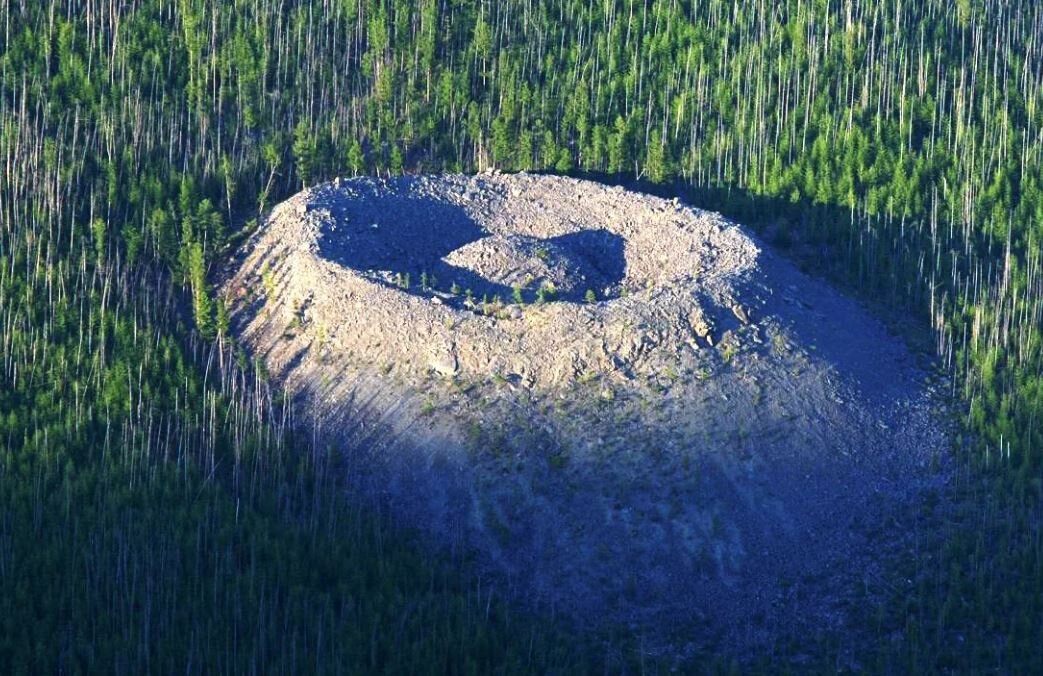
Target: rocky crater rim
<point x="490" y="272"/>
<point x="620" y="402"/>
<point x="512" y="236"/>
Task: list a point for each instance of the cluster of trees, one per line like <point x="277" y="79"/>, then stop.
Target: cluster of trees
<point x="903" y="137"/>
<point x="157" y="511"/>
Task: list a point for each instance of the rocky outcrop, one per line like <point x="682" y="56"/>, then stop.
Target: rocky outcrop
<point x="600" y="393"/>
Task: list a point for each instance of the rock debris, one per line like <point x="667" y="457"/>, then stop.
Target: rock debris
<point x="625" y="406"/>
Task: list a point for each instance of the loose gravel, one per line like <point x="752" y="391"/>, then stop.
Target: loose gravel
<point x="674" y="430"/>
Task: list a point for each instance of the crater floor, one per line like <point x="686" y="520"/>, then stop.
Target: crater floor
<point x="623" y="406"/>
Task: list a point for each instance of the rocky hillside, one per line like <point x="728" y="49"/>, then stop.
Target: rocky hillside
<point x="623" y="406"/>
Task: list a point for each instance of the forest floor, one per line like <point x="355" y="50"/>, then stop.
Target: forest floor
<point x="623" y="408"/>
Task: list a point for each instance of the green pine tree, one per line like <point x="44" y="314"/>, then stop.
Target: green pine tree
<point x="304" y="152"/>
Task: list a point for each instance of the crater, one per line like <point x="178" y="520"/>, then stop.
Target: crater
<point x="562" y="268"/>
<point x="622" y="406"/>
<point x="423" y="246"/>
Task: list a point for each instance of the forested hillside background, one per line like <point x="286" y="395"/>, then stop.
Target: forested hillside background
<point x="158" y="513"/>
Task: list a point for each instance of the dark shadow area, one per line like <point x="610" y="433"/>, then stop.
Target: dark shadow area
<point x="739" y="532"/>
<point x="396" y="234"/>
<point x="402" y="241"/>
<point x="818" y="238"/>
<point x="599" y="258"/>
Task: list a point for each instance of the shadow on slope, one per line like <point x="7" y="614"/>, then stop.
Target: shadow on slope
<point x="743" y="497"/>
<point x="402" y="241"/>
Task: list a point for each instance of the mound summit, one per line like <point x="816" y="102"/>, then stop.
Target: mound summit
<point x="624" y="406"/>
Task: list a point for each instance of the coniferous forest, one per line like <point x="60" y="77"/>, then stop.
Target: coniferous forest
<point x="159" y="510"/>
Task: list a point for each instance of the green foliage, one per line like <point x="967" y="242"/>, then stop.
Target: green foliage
<point x="99" y="229"/>
<point x="304" y="152"/>
<point x="902" y="138"/>
<point x="222" y="320"/>
<point x="397" y="161"/>
<point x="619" y="147"/>
<point x="355" y="158"/>
<point x="202" y="306"/>
<point x="657" y="164"/>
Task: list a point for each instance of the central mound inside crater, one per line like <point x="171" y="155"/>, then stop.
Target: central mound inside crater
<point x="423" y="245"/>
<point x="577" y="292"/>
<point x="563" y="267"/>
<point x="621" y="404"/>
